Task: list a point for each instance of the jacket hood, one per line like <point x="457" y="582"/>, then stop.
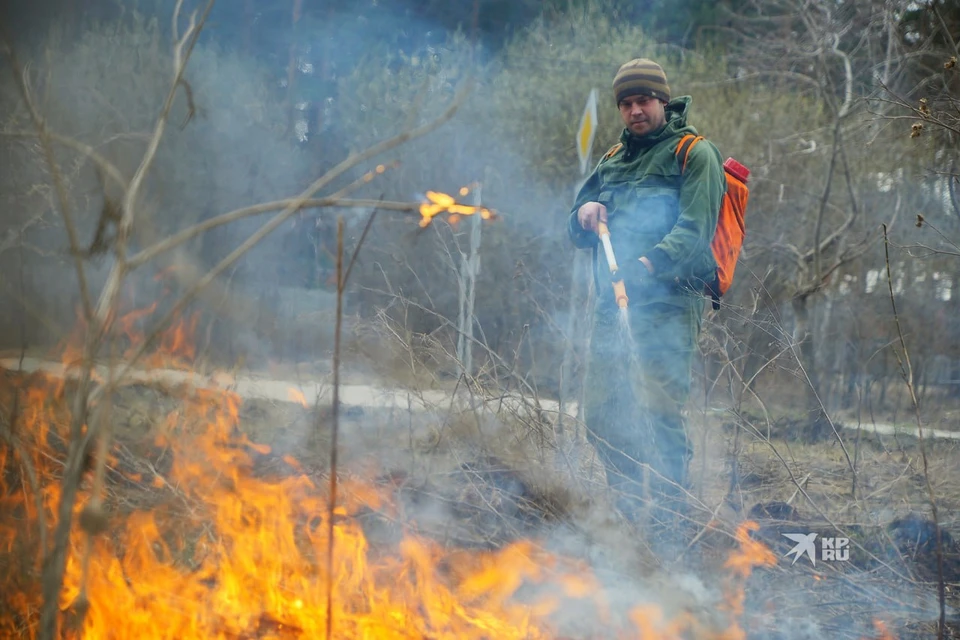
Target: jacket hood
<point x="676" y="112"/>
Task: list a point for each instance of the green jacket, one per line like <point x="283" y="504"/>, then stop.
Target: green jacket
<point x="652" y="210"/>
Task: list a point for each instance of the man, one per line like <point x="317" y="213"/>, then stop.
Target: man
<point x="661" y="226"/>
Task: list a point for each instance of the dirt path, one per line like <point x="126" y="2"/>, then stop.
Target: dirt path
<point x="310" y="392"/>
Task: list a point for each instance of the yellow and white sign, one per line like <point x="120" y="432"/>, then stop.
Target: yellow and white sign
<point x="587" y="131"/>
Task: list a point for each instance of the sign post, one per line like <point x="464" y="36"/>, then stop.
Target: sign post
<point x="581" y="287"/>
<point x="587" y="132"/>
<point x="467" y="282"/>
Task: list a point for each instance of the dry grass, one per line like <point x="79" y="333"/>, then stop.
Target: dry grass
<point x="482" y="477"/>
<point x="801" y="487"/>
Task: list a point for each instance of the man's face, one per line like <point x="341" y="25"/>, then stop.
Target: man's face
<point x="642" y="114"/>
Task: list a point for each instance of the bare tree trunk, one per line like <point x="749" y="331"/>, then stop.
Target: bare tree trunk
<point x="292" y="64"/>
<point x="803" y="337"/>
<point x="248" y="27"/>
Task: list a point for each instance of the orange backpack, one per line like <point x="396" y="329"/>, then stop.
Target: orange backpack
<point x="728" y="240"/>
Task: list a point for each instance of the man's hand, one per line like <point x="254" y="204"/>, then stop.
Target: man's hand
<point x="634" y="272"/>
<point x="590" y="213"/>
<point x="646" y="262"/>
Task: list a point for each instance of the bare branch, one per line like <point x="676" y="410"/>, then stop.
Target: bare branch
<point x="946" y="30"/>
<point x="847" y="80"/>
<point x="292" y="207"/>
<point x="181" y="57"/>
<point x="335" y="427"/>
<point x="906" y="370"/>
<point x="105" y="165"/>
<point x="824" y="198"/>
<point x="19" y="76"/>
<point x="98" y="328"/>
<point x="189" y="233"/>
<point x="12" y="237"/>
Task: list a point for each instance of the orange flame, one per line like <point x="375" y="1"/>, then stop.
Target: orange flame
<point x="883" y="633"/>
<point x="439" y="202"/>
<point x="176" y="348"/>
<point x="297" y="396"/>
<point x="218" y="551"/>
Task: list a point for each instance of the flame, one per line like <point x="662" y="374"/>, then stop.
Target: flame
<point x="439" y="202"/>
<point x="750" y="554"/>
<point x="297" y="396"/>
<point x="176" y="347"/>
<point x="214" y="550"/>
<point x="883" y="633"/>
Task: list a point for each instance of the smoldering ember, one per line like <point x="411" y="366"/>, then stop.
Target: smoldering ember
<point x="558" y="320"/>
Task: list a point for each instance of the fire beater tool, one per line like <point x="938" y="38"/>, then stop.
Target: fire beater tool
<point x="619" y="290"/>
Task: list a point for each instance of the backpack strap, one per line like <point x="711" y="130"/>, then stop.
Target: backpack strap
<point x="684" y="146"/>
<point x="683" y="152"/>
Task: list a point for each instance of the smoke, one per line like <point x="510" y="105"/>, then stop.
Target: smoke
<point x="241" y="132"/>
<point x="104" y="86"/>
<point x="245" y="133"/>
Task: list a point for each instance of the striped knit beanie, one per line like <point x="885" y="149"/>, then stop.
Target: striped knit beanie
<point x="641" y="77"/>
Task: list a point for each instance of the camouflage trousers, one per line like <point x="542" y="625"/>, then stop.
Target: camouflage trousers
<point x="637" y="383"/>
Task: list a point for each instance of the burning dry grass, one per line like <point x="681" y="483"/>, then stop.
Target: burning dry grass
<point x="202" y="540"/>
<point x="206" y="533"/>
<point x="215" y="526"/>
